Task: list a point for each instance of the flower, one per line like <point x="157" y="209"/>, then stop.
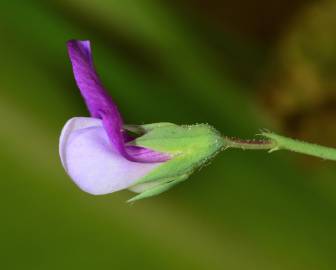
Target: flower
<point x="101" y="157"/>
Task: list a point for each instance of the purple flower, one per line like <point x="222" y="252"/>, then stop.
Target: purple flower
<point x="96" y="151"/>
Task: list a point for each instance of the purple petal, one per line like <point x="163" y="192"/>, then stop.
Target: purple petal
<point x="88" y="82"/>
<point x="134" y="153"/>
<point x="146" y="155"/>
<point x="93" y="163"/>
<point x="96" y="98"/>
<point x="101" y="105"/>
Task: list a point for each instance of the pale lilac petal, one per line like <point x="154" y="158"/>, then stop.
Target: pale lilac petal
<point x="72" y="125"/>
<point x="94" y="164"/>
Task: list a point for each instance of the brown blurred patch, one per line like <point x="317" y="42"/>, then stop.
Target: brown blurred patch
<point x="261" y="19"/>
<point x="299" y="91"/>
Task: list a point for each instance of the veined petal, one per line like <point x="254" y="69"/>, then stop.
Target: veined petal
<point x="88" y="81"/>
<point x="99" y="103"/>
<point x="93" y="163"/>
<point x="102" y="106"/>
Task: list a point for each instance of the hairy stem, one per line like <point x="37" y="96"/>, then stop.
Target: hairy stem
<point x="249" y="144"/>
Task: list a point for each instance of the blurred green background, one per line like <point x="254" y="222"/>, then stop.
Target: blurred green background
<point x="239" y="65"/>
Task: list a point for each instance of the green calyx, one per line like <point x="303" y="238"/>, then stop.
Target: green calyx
<point x="191" y="146"/>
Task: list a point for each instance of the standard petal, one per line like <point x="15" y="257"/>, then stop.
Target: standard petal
<point x="99" y="103"/>
<point x="88" y="81"/>
<point x="93" y="163"/>
<point x="102" y="106"/>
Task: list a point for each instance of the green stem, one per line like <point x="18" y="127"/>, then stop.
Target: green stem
<point x="310" y="149"/>
<point x="274" y="142"/>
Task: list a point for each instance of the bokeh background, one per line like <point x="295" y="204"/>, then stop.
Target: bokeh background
<point x="239" y="65"/>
